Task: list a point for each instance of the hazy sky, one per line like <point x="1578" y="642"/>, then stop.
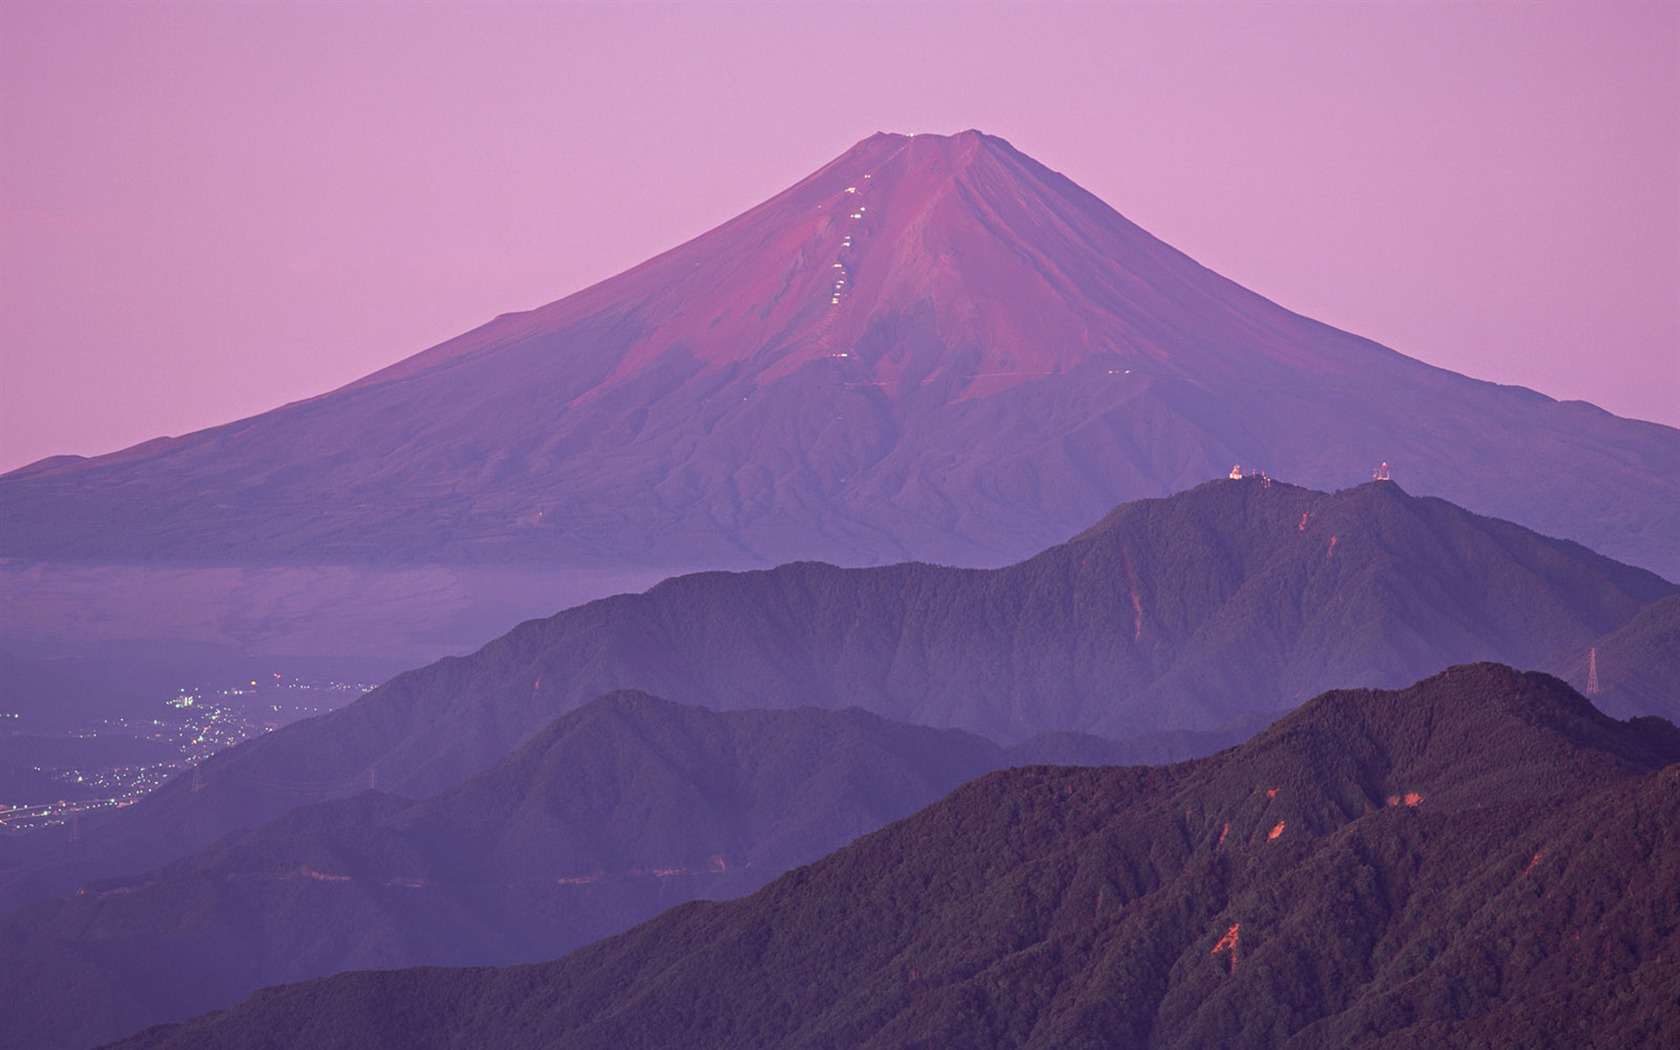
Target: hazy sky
<point x="211" y="209"/>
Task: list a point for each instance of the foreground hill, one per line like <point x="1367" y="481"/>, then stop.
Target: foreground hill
<point x="608" y="816"/>
<point x="1184" y="613"/>
<point x="934" y="347"/>
<point x="1480" y="859"/>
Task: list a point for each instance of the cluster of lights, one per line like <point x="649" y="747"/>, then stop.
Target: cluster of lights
<point x="840" y="279"/>
<point x="198" y="723"/>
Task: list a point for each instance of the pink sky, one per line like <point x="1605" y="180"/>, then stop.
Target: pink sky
<point x="212" y="209"/>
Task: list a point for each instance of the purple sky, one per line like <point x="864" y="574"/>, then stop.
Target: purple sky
<point x="211" y="209"/>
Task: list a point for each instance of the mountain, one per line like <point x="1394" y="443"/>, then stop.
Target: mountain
<point x="1638" y="664"/>
<point x="1185" y="613"/>
<point x="609" y="815"/>
<point x="1480" y="859"/>
<point x="933" y="347"/>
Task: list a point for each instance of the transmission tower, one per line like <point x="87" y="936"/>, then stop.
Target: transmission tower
<point x="1592" y="671"/>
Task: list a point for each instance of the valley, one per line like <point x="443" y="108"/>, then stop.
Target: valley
<point x="113" y="762"/>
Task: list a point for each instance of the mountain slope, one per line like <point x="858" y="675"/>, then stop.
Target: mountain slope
<point x="1638" y="664"/>
<point x="1235" y="597"/>
<point x="933" y="347"/>
<point x="1480" y="856"/>
<point x="608" y="816"/>
<point x="605" y="818"/>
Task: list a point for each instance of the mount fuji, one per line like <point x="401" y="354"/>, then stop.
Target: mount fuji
<point x="932" y="348"/>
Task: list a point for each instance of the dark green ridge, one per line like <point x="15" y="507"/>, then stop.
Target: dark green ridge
<point x="1480" y="859"/>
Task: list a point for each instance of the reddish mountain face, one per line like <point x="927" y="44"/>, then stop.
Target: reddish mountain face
<point x="1011" y="272"/>
<point x="933" y="347"/>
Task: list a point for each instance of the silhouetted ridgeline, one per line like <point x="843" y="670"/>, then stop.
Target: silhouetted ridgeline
<point x="1184" y="613"/>
<point x="1480" y="859"/>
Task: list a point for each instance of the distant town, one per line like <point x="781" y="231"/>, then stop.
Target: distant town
<point x="146" y="751"/>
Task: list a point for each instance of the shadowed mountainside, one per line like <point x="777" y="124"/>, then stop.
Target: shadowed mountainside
<point x="1482" y="858"/>
<point x="608" y="816"/>
<point x="1189" y="612"/>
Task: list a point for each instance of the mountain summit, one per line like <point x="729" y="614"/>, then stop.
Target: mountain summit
<point x="933" y="347"/>
<point x="950" y="262"/>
